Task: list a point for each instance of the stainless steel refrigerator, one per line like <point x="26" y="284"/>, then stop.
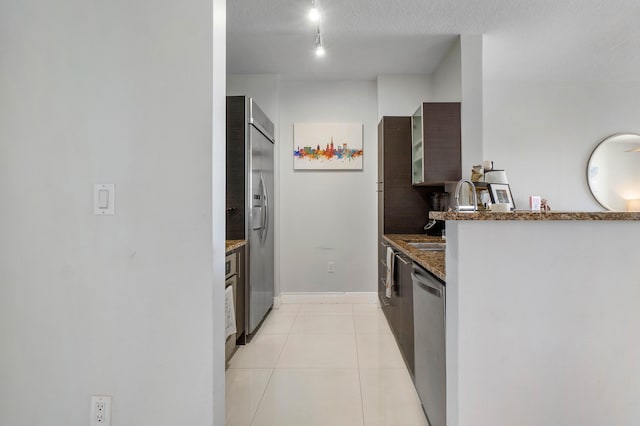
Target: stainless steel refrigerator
<point x="250" y="202"/>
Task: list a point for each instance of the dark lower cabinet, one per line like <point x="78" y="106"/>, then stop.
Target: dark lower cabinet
<point x="398" y="309"/>
<point x="405" y="308"/>
<point x="241" y="295"/>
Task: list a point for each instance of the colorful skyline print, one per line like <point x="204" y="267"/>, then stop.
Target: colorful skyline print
<point x="327" y="146"/>
<point x="329" y="152"/>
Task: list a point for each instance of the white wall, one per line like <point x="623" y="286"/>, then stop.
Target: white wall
<point x="458" y="78"/>
<point x="218" y="174"/>
<point x="542" y="133"/>
<point x="115" y="92"/>
<point x="446" y="79"/>
<point x="326" y="215"/>
<point x="546" y="334"/>
<point x="471" y="115"/>
<point x="307" y="198"/>
<point x="401" y="95"/>
<point x="261" y="87"/>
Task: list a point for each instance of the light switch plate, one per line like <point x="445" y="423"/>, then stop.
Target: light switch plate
<point x="104" y="199"/>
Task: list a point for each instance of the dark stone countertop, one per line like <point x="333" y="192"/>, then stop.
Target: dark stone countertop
<point x="432" y="261"/>
<point x="234" y="244"/>
<point x="530" y="215"/>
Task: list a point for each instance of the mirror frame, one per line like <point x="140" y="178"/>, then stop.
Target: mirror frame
<point x="595" y="150"/>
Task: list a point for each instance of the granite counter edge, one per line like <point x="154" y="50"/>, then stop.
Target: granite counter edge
<point x="432" y="261"/>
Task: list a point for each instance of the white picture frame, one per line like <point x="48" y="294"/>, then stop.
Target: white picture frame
<point x="328" y="146"/>
<point x="501" y="193"/>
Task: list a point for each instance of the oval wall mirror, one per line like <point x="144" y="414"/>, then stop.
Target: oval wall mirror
<point x="613" y="172"/>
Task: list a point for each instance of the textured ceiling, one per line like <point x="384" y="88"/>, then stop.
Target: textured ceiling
<point x="524" y="39"/>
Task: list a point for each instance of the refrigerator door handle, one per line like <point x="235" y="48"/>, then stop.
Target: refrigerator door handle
<point x="265" y="211"/>
<point x="257" y="212"/>
<point x="257" y="215"/>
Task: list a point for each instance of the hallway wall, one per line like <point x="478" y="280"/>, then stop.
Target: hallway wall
<point x="109" y="92"/>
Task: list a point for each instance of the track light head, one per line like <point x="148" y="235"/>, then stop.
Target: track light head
<point x="319" y="45"/>
<point x="314" y="13"/>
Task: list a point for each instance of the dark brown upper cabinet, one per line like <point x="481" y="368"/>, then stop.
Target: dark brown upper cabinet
<point x="436" y="151"/>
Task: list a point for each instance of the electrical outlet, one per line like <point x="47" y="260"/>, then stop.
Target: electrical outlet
<point x="331" y="267"/>
<point x="100" y="410"/>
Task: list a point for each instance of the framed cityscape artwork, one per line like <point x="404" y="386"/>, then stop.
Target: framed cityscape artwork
<point x="327" y="146"/>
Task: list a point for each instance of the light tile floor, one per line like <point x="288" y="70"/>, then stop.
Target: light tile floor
<point x="322" y="364"/>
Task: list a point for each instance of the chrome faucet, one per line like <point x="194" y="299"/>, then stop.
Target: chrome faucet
<point x="460" y="208"/>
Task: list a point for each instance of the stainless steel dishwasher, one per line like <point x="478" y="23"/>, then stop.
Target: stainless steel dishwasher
<point x="429" y="341"/>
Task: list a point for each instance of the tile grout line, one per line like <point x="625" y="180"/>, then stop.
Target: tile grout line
<point x="297" y="314"/>
<point x="355" y="336"/>
<point x="273" y="370"/>
<point x="253" y="416"/>
<point x="286" y="339"/>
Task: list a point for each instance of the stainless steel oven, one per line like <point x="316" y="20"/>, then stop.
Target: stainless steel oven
<point x="231" y="280"/>
<point x="230" y="267"/>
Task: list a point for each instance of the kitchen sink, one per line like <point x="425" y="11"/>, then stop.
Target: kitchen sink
<point x="429" y="246"/>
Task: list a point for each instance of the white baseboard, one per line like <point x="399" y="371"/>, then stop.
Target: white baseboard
<point x="277" y="301"/>
<point x="327" y="297"/>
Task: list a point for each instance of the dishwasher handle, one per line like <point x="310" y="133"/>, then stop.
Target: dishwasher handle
<point x="427" y="284"/>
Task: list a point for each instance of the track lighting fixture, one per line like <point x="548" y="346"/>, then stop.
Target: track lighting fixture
<point x="314" y="13"/>
<point x="319" y="46"/>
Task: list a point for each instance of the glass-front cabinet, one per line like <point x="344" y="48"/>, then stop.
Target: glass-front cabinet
<point x="416" y="139"/>
<point x="435" y="143"/>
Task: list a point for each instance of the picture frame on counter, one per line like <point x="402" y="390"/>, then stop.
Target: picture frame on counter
<point x="501" y="193"/>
